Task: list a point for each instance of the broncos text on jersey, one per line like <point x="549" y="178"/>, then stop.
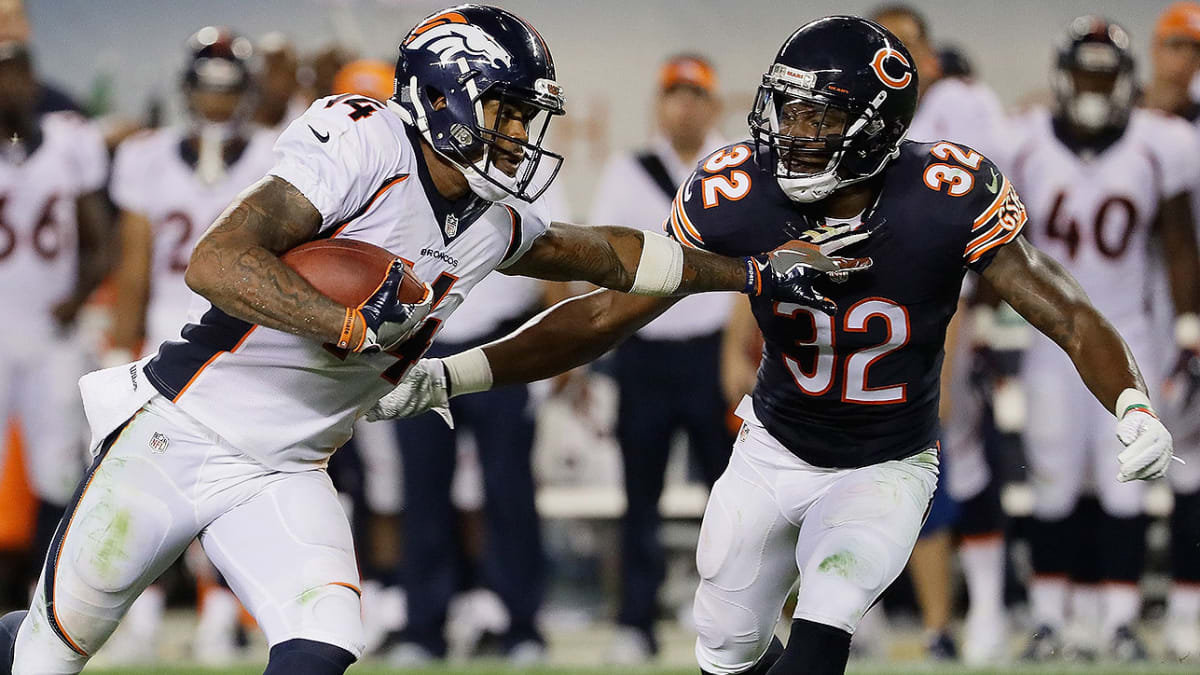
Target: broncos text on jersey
<point x="290" y="402"/>
<point x="859" y="387"/>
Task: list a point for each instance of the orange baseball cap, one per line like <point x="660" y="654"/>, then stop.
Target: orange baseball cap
<point x="367" y="77"/>
<point x="1181" y="19"/>
<point x="692" y="71"/>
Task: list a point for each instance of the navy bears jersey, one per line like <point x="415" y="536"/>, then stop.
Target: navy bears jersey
<point x="860" y="387"/>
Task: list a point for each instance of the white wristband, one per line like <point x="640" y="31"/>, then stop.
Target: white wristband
<point x="1187" y="331"/>
<point x="468" y="372"/>
<point x="1132" y="398"/>
<point x="660" y="269"/>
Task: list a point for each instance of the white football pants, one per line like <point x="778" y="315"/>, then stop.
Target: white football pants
<point x="847" y="534"/>
<point x="280" y="539"/>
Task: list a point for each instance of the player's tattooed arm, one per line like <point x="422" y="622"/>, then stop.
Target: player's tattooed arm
<point x="94" y="220"/>
<point x="608" y="256"/>
<point x="1175" y="226"/>
<point x="1040" y="290"/>
<point x="236" y="265"/>
<point x="573" y="332"/>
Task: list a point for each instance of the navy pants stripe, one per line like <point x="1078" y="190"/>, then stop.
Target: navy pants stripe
<point x="513" y="559"/>
<point x="665" y="386"/>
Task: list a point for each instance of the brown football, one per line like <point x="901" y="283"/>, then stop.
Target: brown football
<point x="348" y="271"/>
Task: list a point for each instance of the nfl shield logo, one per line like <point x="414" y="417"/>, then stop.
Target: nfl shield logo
<point x="159" y="443"/>
<point x="451" y="225"/>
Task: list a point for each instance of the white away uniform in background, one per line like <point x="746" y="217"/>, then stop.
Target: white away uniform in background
<point x="38" y="269"/>
<point x="236" y="421"/>
<point x="154" y="177"/>
<point x="1094" y="214"/>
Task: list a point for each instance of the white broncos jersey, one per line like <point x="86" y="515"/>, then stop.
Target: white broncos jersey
<point x="38" y="231"/>
<point x="290" y="402"/>
<point x="1094" y="213"/>
<point x="154" y="177"/>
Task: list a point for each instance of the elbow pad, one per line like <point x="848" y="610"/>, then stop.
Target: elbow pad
<point x="660" y="269"/>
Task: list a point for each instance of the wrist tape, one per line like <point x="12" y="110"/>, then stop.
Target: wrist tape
<point x="660" y="269"/>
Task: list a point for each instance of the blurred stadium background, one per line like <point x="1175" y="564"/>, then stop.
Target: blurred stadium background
<point x="121" y="61"/>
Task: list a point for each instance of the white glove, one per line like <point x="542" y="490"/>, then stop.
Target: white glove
<point x="423" y="388"/>
<point x="1148" y="446"/>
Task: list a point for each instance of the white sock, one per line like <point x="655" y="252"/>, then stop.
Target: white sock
<point x="1183" y="603"/>
<point x="219" y="612"/>
<point x="983" y="567"/>
<point x="1048" y="597"/>
<point x="1085" y="615"/>
<point x="1122" y="604"/>
<point x="145" y="615"/>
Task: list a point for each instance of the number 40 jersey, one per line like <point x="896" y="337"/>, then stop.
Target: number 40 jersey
<point x="861" y="386"/>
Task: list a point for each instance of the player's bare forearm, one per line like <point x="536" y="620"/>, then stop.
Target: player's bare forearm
<point x="236" y="263"/>
<point x="1040" y="290"/>
<point x="95" y="252"/>
<point x="1178" y="234"/>
<point x="133" y="281"/>
<point x="608" y="256"/>
<point x="570" y="334"/>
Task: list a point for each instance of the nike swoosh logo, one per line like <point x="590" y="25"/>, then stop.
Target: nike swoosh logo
<point x="324" y="138"/>
<point x="995" y="184"/>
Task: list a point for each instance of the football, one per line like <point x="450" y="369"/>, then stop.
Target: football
<point x="349" y="271"/>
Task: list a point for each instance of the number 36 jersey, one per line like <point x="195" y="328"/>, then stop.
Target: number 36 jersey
<point x="288" y="401"/>
<point x="1093" y="210"/>
<point x="861" y="386"/>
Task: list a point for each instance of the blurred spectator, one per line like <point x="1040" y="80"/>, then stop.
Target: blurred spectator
<point x="510" y="559"/>
<point x="14" y="27"/>
<point x="959" y="109"/>
<point x="279" y="100"/>
<point x="667" y="374"/>
<point x="54" y="250"/>
<point x="1175" y="62"/>
<point x="317" y="73"/>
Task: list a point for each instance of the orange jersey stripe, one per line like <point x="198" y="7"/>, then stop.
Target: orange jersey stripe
<point x="352" y="587"/>
<point x="210" y="361"/>
<point x="680" y="235"/>
<point x="683" y="218"/>
<point x="993" y="207"/>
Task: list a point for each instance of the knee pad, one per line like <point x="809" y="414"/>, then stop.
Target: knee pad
<point x="308" y="657"/>
<point x="332" y="614"/>
<point x="846" y="575"/>
<point x="124" y="534"/>
<point x="729" y="638"/>
<point x="9" y="625"/>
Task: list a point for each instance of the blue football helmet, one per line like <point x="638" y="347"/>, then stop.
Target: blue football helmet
<point x="467" y="54"/>
<point x="840" y="63"/>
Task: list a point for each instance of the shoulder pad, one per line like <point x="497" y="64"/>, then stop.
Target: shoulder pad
<point x="700" y="215"/>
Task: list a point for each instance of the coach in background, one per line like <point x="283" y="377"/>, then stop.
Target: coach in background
<point x="668" y="373"/>
<point x="1175" y="61"/>
<point x="501" y="421"/>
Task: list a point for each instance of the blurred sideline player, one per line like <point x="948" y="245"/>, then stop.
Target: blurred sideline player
<point x="170" y="184"/>
<point x="668" y="374"/>
<point x="1175" y="62"/>
<point x="834" y="469"/>
<point x="54" y="251"/>
<point x="224" y="435"/>
<point x="1102" y="181"/>
<point x="961" y="110"/>
<point x="278" y="100"/>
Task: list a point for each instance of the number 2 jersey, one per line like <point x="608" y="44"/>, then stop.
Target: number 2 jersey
<point x="288" y="401"/>
<point x="154" y="176"/>
<point x="861" y="386"/>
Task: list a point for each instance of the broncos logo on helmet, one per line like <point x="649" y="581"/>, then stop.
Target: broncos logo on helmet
<point x="452" y="40"/>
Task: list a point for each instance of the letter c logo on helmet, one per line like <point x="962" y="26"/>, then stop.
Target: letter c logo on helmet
<point x="877" y="65"/>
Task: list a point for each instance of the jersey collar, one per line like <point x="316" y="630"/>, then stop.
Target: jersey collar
<point x="454" y="217"/>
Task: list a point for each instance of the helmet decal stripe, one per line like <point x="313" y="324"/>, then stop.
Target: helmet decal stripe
<point x="877" y="65"/>
<point x="435" y="21"/>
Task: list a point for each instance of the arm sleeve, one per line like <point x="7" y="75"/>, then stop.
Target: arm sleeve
<point x="995" y="219"/>
<point x="336" y="162"/>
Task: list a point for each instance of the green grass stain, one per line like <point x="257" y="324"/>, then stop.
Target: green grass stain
<point x="841" y="563"/>
<point x="114" y="547"/>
